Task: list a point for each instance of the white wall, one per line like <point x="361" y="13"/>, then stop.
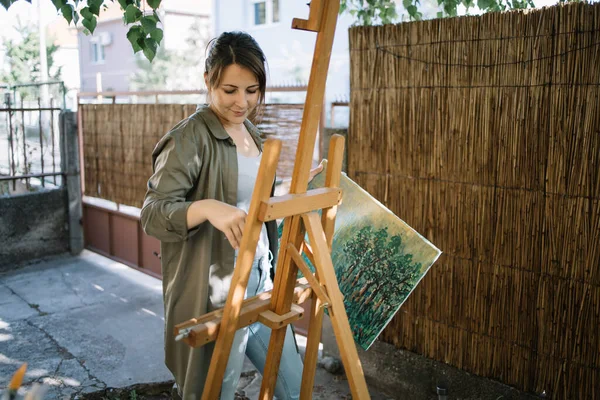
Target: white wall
<point x="179" y="16"/>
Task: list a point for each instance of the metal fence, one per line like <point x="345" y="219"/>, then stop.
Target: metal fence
<point x="30" y="155"/>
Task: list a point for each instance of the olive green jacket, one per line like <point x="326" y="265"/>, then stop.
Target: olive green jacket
<point x="196" y="160"/>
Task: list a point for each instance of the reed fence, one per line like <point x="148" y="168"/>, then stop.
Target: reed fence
<point x="118" y="140"/>
<point x="483" y="133"/>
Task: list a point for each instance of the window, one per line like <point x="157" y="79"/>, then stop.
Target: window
<point x="275" y="11"/>
<point x="265" y="12"/>
<point x="97" y="52"/>
<point x="260" y="13"/>
<point x="98" y="42"/>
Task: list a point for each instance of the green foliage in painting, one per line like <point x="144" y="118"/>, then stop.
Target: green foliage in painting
<point x="368" y="262"/>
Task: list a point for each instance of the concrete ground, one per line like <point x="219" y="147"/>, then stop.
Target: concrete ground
<point x="87" y="323"/>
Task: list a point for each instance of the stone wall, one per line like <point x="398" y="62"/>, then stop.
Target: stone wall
<point x="33" y="225"/>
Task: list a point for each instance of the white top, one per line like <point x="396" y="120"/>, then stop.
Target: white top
<point x="247" y="173"/>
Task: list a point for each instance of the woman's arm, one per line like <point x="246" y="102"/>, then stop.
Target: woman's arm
<point x="284" y="187"/>
<point x="176" y="167"/>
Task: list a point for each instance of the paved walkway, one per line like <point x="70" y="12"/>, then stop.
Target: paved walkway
<point x="88" y="323"/>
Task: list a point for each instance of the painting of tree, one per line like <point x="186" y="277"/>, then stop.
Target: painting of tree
<point x="378" y="259"/>
<point x="365" y="265"/>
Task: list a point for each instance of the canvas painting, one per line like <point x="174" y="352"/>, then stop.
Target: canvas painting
<point x="378" y="259"/>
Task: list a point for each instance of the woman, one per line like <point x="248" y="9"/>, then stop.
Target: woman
<point x="196" y="204"/>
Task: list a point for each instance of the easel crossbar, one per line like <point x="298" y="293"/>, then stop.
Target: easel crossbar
<point x="197" y="332"/>
<point x="294" y="204"/>
<point x="276" y="321"/>
<point x="313" y="23"/>
<point x="308" y="275"/>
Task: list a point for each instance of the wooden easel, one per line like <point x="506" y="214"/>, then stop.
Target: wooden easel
<point x="279" y="308"/>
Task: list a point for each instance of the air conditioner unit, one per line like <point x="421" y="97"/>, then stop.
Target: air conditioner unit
<point x="105" y="38"/>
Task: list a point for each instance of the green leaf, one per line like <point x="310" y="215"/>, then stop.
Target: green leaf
<point x="156" y="16"/>
<point x="412" y="11"/>
<point x="86" y="13"/>
<point x="67" y="12"/>
<point x="151" y="43"/>
<point x="387" y="14"/>
<point x="150" y="48"/>
<point x="132" y="14"/>
<point x="135" y="37"/>
<point x="486" y="4"/>
<point x="123" y="4"/>
<point x="148" y="23"/>
<point x="407" y="3"/>
<point x="157" y="34"/>
<point x="59" y="4"/>
<point x="94" y="6"/>
<point x="450" y="8"/>
<point x="440" y="14"/>
<point x="154" y="4"/>
<point x="90" y="23"/>
<point x="76" y="17"/>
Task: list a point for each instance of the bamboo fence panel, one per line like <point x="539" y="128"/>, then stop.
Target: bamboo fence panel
<point x="89" y="161"/>
<point x="483" y="133"/>
<point x="119" y="140"/>
<point x="282" y="121"/>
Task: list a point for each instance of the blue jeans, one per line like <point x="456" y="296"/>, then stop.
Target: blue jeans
<point x="253" y="341"/>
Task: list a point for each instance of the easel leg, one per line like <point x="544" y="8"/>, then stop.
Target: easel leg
<point x="285" y="280"/>
<point x="312" y="348"/>
<point x="339" y="319"/>
<point x="332" y="179"/>
<point x="241" y="273"/>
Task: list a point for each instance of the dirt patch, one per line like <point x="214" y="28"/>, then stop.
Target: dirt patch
<point x="141" y="391"/>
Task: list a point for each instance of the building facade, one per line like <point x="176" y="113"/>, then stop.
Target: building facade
<point x="106" y="58"/>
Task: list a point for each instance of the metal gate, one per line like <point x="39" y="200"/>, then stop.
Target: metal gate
<point x="30" y="152"/>
<point x="40" y="194"/>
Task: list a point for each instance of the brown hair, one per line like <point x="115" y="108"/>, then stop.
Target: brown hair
<point x="236" y="48"/>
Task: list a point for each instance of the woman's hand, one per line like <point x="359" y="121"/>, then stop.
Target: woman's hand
<point x="284" y="187"/>
<point x="313" y="172"/>
<point x="228" y="219"/>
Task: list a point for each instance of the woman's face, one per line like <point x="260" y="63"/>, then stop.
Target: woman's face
<point x="236" y="95"/>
